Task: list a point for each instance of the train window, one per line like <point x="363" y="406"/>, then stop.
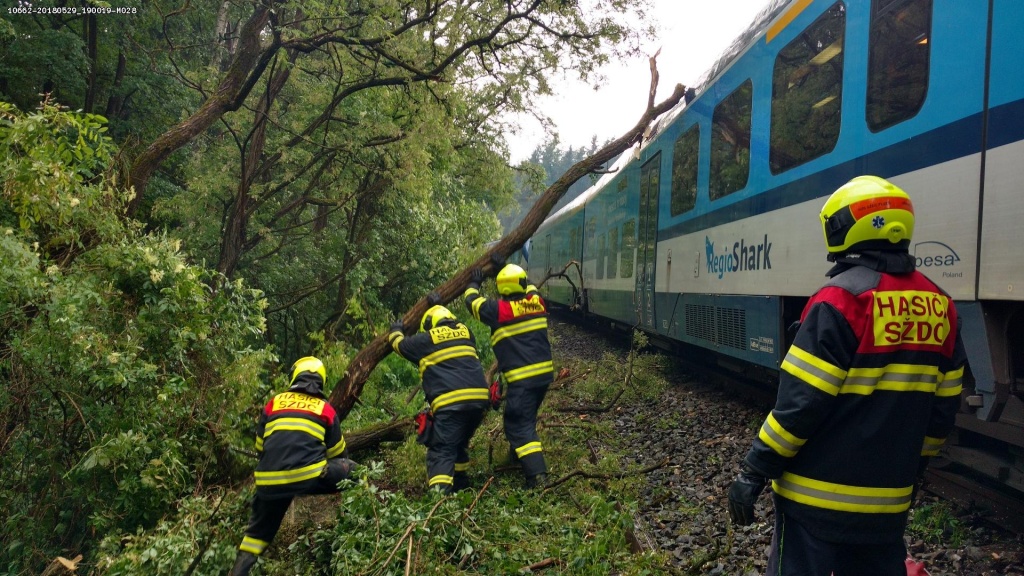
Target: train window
<point x="613" y="253"/>
<point x="572" y="244"/>
<point x="730" y="142"/>
<point x="602" y="250"/>
<point x="591" y="230"/>
<point x="807" y="88"/>
<point x="899" y="53"/>
<point x="628" y="246"/>
<point x="563" y="252"/>
<point x="684" y="171"/>
<point x="547" y="252"/>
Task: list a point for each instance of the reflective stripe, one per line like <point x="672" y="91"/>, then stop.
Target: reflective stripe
<point x="893" y="378"/>
<point x="259" y="444"/>
<point x="440" y="479"/>
<point x="841" y="497"/>
<point x="931" y="446"/>
<point x="530" y="371"/>
<point x="518" y="328"/>
<point x="464" y="395"/>
<point x="778" y="438"/>
<point x="445" y="354"/>
<point x="395" y="338"/>
<point x="476" y="303"/>
<point x="813" y="371"/>
<point x="337" y="448"/>
<point x="277" y="477"/>
<point x="295" y="425"/>
<point x="530" y="448"/>
<point x="952" y="384"/>
<point x="461" y="466"/>
<point x="253" y="545"/>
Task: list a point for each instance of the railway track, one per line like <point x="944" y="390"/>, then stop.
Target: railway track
<point x="1001" y="507"/>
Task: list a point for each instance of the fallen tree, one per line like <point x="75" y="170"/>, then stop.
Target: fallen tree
<point x="346" y="392"/>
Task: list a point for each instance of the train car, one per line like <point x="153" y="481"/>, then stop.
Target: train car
<point x="706" y="234"/>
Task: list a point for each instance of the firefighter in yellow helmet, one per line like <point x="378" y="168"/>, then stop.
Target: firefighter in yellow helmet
<point x="455" y="388"/>
<point x="519" y="337"/>
<point x="301" y="451"/>
<point x="868" y="391"/>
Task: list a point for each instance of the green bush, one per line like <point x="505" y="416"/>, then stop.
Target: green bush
<point x="128" y="370"/>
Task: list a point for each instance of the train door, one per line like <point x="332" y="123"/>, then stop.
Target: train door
<point x="647" y="241"/>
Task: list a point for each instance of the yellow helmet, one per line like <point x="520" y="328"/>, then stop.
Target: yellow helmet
<point x="433" y="316"/>
<point x="308" y="364"/>
<point x="867" y="212"/>
<point x="511" y="280"/>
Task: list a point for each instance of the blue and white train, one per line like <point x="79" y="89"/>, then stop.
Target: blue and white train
<point x="707" y="232"/>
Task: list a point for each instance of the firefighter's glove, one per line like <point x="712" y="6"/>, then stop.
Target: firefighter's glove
<point x="495" y="394"/>
<point x="396" y="326"/>
<point x="476" y="278"/>
<point x="424" y="426"/>
<point x="434" y="299"/>
<point x="498" y="260"/>
<point x="743" y="494"/>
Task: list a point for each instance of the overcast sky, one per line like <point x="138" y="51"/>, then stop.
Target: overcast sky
<point x="692" y="35"/>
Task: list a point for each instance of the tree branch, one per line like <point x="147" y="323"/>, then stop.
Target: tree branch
<point x="348" y="389"/>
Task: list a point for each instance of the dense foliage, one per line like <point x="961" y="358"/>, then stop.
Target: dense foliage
<point x="330" y="153"/>
<point x="126" y="369"/>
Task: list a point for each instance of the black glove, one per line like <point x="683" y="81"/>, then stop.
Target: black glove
<point x="433" y="298"/>
<point x="498" y="260"/>
<point x="743" y="494"/>
<point x="396" y="326"/>
<point x="476" y="276"/>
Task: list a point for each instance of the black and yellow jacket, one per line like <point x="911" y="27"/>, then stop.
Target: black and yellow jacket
<point x="449" y="367"/>
<point x="296" y="434"/>
<point x="519" y="335"/>
<point x="871" y="384"/>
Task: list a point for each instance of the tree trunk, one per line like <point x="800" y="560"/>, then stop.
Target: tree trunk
<point x="366" y="438"/>
<point x="347" y="391"/>
<point x="90" y="52"/>
<point x="250" y="59"/>
<point x="233" y="240"/>
<point x="116" y="99"/>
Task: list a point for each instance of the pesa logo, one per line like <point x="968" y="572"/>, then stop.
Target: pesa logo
<point x="934" y="255"/>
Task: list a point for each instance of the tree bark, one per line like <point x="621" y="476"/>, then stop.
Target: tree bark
<point x="347" y="390"/>
<point x="116" y="99"/>
<point x="234" y="237"/>
<point x="366" y="438"/>
<point x="250" y="59"/>
<point x="91" y="52"/>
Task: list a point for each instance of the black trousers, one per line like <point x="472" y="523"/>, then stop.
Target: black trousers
<point x="267" y="513"/>
<point x="796" y="551"/>
<point x="448" y="446"/>
<point x="521" y="406"/>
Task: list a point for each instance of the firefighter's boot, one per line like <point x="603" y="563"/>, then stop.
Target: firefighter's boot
<point x="243" y="564"/>
<point x="537" y="480"/>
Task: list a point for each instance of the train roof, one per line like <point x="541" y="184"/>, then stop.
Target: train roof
<point x="739" y="45"/>
<point x="616" y="167"/>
